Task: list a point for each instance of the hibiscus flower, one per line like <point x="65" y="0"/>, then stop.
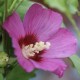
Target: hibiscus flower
<point x="39" y="41"/>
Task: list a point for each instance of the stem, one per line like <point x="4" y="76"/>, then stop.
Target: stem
<point x="12" y="6"/>
<point x="5" y="10"/>
<point x="11" y="9"/>
<point x="18" y="4"/>
<point x="74" y="24"/>
<point x="4" y="34"/>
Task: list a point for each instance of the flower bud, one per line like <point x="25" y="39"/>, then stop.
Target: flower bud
<point x="3" y="59"/>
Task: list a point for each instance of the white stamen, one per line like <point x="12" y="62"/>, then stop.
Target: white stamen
<point x="48" y="45"/>
<point x="32" y="49"/>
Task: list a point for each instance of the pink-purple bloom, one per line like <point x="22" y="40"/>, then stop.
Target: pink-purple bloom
<point x="39" y="41"/>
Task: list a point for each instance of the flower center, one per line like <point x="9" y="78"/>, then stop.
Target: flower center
<point x="33" y="49"/>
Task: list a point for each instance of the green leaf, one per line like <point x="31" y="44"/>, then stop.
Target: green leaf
<point x="76" y="61"/>
<point x="1" y="76"/>
<point x="73" y="5"/>
<point x="1" y="2"/>
<point x="19" y="74"/>
<point x="59" y="4"/>
<point x="2" y="70"/>
<point x="24" y="7"/>
<point x="9" y="3"/>
<point x="63" y="5"/>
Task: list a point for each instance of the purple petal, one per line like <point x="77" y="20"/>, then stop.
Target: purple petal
<point x="14" y="26"/>
<point x="41" y="21"/>
<point x="25" y="63"/>
<point x="63" y="44"/>
<point x="54" y="65"/>
<point x="16" y="46"/>
<point x="60" y="70"/>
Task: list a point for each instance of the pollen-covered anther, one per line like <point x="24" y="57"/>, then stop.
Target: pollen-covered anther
<point x="32" y="49"/>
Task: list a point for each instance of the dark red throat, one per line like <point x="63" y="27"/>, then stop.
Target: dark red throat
<point x="30" y="39"/>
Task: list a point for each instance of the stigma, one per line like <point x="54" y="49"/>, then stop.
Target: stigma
<point x="33" y="49"/>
